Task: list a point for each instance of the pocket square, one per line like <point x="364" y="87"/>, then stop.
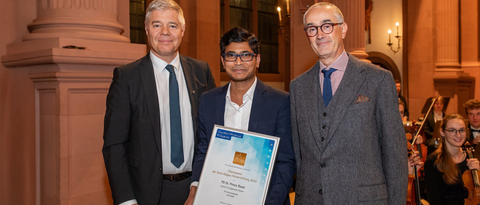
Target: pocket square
<point x="362" y="99"/>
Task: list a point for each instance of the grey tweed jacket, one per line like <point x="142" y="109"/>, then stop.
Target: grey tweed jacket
<point x="353" y="151"/>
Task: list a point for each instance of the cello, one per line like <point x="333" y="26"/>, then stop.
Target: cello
<point x="471" y="180"/>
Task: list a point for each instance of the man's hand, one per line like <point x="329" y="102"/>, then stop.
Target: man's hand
<point x="191" y="195"/>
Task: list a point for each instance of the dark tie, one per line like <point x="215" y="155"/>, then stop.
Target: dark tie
<point x="176" y="143"/>
<point x="327" y="85"/>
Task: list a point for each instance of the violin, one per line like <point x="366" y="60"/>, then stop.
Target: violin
<point x="471" y="179"/>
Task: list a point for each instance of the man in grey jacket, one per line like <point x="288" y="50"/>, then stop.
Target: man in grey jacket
<point x="347" y="132"/>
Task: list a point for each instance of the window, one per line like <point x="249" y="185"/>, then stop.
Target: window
<point x="259" y="17"/>
<point x="137" y="19"/>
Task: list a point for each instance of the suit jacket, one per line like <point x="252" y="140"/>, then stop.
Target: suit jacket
<point x="354" y="150"/>
<point x="270" y="115"/>
<point x="132" y="138"/>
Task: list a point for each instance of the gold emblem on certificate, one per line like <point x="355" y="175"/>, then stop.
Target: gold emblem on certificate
<point x="239" y="158"/>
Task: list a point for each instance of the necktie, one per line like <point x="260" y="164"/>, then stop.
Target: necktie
<point x="176" y="152"/>
<point x="327" y="85"/>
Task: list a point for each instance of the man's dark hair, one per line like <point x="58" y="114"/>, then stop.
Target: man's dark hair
<point x="471" y="105"/>
<point x="238" y="35"/>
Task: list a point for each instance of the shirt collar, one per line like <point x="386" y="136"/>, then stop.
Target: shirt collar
<point x="161" y="64"/>
<point x="248" y="95"/>
<point x="340" y="63"/>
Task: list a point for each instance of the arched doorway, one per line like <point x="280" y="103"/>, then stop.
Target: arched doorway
<point x="385" y="62"/>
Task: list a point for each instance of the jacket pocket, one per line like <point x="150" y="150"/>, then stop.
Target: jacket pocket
<point x="372" y="192"/>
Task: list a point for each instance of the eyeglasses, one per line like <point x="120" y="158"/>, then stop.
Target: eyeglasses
<point x="453" y="132"/>
<point x="326" y="28"/>
<point x="231" y="57"/>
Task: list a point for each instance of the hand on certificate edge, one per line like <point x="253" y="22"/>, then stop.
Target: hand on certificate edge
<point x="191" y="195"/>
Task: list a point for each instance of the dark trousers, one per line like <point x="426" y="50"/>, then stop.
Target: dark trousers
<point x="175" y="192"/>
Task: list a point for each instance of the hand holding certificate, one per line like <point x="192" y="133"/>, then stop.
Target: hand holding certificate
<point x="237" y="167"/>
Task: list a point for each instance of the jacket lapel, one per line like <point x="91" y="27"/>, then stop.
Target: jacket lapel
<point x="257" y="105"/>
<point x="346" y="94"/>
<point x="151" y="97"/>
<point x="190" y="79"/>
<point x="220" y="105"/>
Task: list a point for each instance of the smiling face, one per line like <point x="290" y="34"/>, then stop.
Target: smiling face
<point x="164" y="32"/>
<point x="327" y="46"/>
<point x="241" y="71"/>
<point x="474" y="117"/>
<point x="454" y="139"/>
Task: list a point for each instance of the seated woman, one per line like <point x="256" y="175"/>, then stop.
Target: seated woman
<point x="445" y="166"/>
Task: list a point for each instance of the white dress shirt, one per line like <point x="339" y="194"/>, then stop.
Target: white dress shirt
<point x="161" y="79"/>
<point x="238" y="116"/>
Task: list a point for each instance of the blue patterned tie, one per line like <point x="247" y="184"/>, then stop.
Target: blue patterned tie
<point x="327" y="85"/>
<point x="176" y="143"/>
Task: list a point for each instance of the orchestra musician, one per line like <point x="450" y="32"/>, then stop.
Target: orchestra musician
<point x="429" y="125"/>
<point x="472" y="108"/>
<point x="444" y="168"/>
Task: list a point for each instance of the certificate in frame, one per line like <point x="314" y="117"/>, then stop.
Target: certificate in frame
<point x="237" y="168"/>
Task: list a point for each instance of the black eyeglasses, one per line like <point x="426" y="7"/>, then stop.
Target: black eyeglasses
<point x="453" y="132"/>
<point x="231" y="57"/>
<point x="326" y="28"/>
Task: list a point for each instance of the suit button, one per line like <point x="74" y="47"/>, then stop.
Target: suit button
<point x="324" y="114"/>
<point x="320" y="191"/>
<point x="324" y="126"/>
<point x="323" y="139"/>
<point x="160" y="169"/>
<point x="323" y="165"/>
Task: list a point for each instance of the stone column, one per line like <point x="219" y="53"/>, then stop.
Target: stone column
<point x="69" y="54"/>
<point x="86" y="19"/>
<point x="354" y="14"/>
<point x="450" y="80"/>
<point x="447" y="33"/>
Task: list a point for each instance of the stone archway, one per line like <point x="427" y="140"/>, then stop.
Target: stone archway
<point x="385" y="62"/>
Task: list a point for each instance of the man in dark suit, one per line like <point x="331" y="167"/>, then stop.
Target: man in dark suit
<point x="347" y="132"/>
<point x="247" y="103"/>
<point x="151" y="117"/>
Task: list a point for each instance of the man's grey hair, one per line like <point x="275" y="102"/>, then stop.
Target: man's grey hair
<point x="163" y="5"/>
<point x="336" y="11"/>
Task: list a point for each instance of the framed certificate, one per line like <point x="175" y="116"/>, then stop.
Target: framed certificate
<point x="237" y="168"/>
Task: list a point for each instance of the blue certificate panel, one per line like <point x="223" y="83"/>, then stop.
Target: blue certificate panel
<point x="237" y="167"/>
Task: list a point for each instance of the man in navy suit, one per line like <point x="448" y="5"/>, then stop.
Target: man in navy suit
<point x="143" y="163"/>
<point x="247" y="103"/>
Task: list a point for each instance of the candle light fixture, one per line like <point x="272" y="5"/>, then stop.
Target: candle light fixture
<point x="279" y="17"/>
<point x="398" y="37"/>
